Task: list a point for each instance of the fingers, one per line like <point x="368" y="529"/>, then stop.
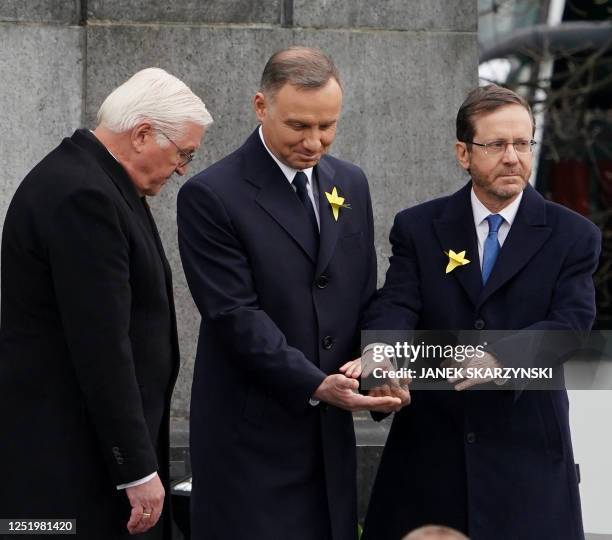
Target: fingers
<point x="376" y="403"/>
<point x="352" y="369"/>
<point x="468" y="383"/>
<point x="453" y="380"/>
<point x="394" y="390"/>
<point x="141" y="520"/>
<point x="147" y="501"/>
<point x="404" y="395"/>
<point x="135" y="517"/>
<point x="344" y="367"/>
<point x="447" y="363"/>
<point x="344" y="382"/>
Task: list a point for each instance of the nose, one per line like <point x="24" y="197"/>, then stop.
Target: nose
<point x="312" y="141"/>
<point x="510" y="155"/>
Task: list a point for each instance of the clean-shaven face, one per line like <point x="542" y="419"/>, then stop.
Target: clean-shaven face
<point x="156" y="164"/>
<point x="299" y="125"/>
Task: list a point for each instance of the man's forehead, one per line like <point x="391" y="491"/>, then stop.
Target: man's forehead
<point x="290" y="91"/>
<point x="192" y="136"/>
<point x="513" y="119"/>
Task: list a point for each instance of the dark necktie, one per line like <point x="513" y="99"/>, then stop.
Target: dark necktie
<point x="299" y="181"/>
<point x="491" y="246"/>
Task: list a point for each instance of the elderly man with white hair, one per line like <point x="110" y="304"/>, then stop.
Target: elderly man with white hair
<point x="88" y="342"/>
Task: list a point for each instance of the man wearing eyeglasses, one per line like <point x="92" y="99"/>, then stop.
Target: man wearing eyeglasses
<point x="498" y="463"/>
<point x="88" y="340"/>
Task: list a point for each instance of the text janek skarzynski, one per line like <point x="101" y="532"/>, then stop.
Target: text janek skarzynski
<point x="458" y="353"/>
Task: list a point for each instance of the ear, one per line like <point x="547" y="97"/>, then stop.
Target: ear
<point x="463" y="155"/>
<point x="260" y="106"/>
<point x="140" y="135"/>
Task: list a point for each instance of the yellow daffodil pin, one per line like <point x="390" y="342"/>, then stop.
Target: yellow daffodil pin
<point x="455" y="260"/>
<point x="336" y="202"/>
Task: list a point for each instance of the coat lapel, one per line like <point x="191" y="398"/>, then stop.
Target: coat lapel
<point x="455" y="230"/>
<point x="277" y="197"/>
<point x="329" y="226"/>
<point x="527" y="235"/>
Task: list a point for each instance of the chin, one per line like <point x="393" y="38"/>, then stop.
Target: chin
<point x="305" y="164"/>
<point x="509" y="192"/>
<point x="510" y="189"/>
<point x="153" y="190"/>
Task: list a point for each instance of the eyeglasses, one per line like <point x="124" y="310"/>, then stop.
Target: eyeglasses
<point x="497" y="147"/>
<point x="186" y="156"/>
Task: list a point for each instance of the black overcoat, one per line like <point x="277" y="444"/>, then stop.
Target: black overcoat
<point x="278" y="314"/>
<point x="494" y="464"/>
<point x="88" y="342"/>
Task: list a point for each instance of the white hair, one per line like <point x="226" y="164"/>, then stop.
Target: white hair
<point x="155" y="96"/>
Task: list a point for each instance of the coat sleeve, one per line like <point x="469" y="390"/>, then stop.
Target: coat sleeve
<point x="220" y="280"/>
<point x="89" y="258"/>
<point x="397" y="305"/>
<point x="561" y="334"/>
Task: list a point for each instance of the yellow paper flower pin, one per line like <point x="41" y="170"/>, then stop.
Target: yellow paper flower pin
<point x="455" y="260"/>
<point x="336" y="202"/>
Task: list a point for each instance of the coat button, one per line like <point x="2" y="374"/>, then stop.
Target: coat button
<point x="471" y="437"/>
<point x="479" y="324"/>
<point x="322" y="281"/>
<point x="328" y="342"/>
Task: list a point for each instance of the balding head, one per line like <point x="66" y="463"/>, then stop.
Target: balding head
<point x="302" y="67"/>
<point x="435" y="532"/>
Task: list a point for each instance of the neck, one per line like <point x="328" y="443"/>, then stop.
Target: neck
<point x="491" y="203"/>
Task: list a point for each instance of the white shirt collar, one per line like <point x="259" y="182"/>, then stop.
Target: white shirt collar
<point x="480" y="211"/>
<point x="289" y="172"/>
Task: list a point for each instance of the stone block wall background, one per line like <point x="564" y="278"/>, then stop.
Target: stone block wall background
<point x="406" y="66"/>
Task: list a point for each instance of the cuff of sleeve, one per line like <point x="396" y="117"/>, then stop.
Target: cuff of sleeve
<point x="137" y="482"/>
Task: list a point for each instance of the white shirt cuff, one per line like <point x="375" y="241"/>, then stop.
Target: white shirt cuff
<point x="137" y="482"/>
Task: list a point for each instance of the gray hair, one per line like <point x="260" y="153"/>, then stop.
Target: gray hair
<point x="155" y="96"/>
<point x="303" y="67"/>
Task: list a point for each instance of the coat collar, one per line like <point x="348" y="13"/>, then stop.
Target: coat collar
<point x="86" y="140"/>
<point x="455" y="230"/>
<point x="277" y="198"/>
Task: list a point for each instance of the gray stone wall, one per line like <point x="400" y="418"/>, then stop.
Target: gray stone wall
<point x="406" y="65"/>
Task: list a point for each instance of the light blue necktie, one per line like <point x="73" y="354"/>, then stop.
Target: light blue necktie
<point x="491" y="246"/>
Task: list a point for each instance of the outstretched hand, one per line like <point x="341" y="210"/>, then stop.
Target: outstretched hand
<point x="341" y="391"/>
<point x="364" y="366"/>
